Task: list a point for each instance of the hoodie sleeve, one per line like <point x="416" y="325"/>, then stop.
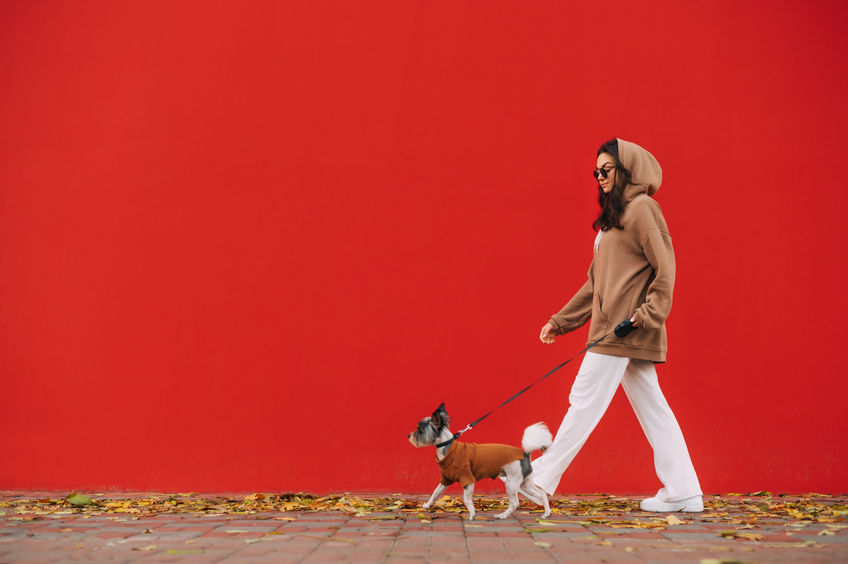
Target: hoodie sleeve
<point x="578" y="310"/>
<point x="656" y="244"/>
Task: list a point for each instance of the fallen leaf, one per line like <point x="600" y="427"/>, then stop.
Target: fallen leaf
<point x="750" y="536"/>
<point x="543" y="544"/>
<point x="78" y="499"/>
<point x="672" y="520"/>
<point x="148" y="547"/>
<point x="826" y="532"/>
<point x="539" y="529"/>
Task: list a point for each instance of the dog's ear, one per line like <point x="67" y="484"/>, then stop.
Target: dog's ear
<point x="438" y="419"/>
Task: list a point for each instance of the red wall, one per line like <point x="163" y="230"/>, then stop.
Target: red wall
<point x="246" y="246"/>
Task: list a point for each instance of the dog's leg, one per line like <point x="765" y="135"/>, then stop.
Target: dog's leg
<point x="467" y="492"/>
<point x="536" y="494"/>
<point x="513" y="481"/>
<point x="436" y="493"/>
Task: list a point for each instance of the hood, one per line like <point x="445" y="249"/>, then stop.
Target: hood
<point x="645" y="170"/>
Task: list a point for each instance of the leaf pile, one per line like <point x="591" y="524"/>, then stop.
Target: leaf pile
<point x="594" y="510"/>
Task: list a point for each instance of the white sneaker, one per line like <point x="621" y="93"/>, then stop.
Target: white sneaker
<point x="690" y="505"/>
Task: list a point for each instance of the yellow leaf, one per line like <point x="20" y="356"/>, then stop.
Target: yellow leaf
<point x="148" y="547"/>
<point x="543" y="544"/>
<point x="826" y="532"/>
<point x="672" y="520"/>
<point x="750" y="536"/>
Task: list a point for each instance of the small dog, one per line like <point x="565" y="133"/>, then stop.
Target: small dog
<point x="467" y="463"/>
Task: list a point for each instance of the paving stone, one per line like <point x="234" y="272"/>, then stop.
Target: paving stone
<point x="335" y="536"/>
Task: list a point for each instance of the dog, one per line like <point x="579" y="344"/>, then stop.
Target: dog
<point x="468" y="462"/>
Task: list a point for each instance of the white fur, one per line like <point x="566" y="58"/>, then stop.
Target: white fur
<point x="536" y="437"/>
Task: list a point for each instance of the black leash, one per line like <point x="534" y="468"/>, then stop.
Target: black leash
<point x="621" y="330"/>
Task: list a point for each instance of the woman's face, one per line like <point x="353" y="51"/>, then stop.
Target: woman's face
<point x="607" y="163"/>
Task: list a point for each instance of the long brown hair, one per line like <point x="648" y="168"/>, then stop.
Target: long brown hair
<point x="612" y="204"/>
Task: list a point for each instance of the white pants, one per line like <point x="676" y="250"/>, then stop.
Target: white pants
<point x="591" y="394"/>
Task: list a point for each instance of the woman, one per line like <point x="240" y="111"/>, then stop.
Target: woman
<point x="631" y="277"/>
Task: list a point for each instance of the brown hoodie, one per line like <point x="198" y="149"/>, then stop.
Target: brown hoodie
<point x="632" y="271"/>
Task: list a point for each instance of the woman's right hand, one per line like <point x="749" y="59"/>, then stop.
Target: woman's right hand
<point x="548" y="334"/>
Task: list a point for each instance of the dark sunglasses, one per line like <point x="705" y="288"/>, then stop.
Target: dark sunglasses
<point x="601" y="172"/>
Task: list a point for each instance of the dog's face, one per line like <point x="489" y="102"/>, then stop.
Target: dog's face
<point x="430" y="428"/>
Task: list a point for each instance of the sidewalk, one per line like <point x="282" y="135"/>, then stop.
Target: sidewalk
<point x="155" y="527"/>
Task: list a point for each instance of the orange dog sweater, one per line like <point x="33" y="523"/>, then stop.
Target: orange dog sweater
<point x="467" y="463"/>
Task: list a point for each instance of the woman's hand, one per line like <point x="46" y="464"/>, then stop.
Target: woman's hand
<point x="548" y="334"/>
<point x="633" y="320"/>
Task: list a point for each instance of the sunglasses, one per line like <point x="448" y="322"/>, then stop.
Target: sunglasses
<point x="601" y="172"/>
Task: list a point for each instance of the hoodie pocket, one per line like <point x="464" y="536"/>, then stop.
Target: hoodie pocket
<point x="598" y="312"/>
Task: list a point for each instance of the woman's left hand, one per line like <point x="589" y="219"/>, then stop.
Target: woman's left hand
<point x="633" y="320"/>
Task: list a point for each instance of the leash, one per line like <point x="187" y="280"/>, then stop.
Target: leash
<point x="621" y="330"/>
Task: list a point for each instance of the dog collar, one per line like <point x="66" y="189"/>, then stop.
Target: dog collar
<point x="449" y="441"/>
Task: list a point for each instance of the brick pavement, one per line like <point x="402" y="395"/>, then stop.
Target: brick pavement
<point x="579" y="532"/>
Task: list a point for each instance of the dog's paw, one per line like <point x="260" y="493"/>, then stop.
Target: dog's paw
<point x="546" y="515"/>
<point x="427" y="505"/>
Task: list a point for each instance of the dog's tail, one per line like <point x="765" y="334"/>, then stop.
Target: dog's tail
<point x="536" y="437"/>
